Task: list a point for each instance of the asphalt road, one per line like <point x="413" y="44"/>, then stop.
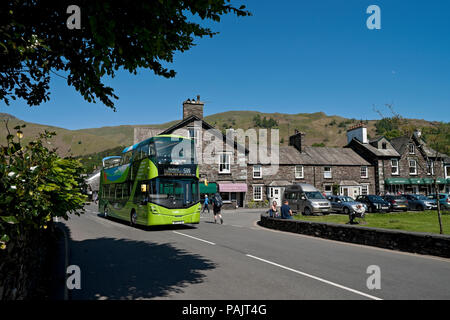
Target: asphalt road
<point x="238" y="260"/>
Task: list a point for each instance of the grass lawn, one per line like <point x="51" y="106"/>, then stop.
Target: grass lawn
<point x="426" y="221"/>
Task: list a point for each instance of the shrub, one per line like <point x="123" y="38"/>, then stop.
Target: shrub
<point x="258" y="204"/>
<point x="35" y="186"/>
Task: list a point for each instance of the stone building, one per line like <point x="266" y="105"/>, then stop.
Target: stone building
<point x="405" y="164"/>
<point x="239" y="181"/>
<point x="225" y="170"/>
<point x="331" y="170"/>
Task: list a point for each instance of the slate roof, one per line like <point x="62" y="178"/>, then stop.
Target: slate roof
<point x="321" y="156"/>
<point x="389" y="152"/>
<point x="401" y="143"/>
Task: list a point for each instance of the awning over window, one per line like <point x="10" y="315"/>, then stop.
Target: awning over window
<point x="391" y="181"/>
<point x="431" y="180"/>
<point x="232" y="187"/>
<point x="210" y="188"/>
<point x="416" y="181"/>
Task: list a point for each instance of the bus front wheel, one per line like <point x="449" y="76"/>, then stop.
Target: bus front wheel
<point x="133" y="218"/>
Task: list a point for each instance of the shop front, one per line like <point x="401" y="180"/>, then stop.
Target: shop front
<point x="415" y="185"/>
<point x="233" y="194"/>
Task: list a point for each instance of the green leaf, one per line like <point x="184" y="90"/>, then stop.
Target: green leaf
<point x="10" y="219"/>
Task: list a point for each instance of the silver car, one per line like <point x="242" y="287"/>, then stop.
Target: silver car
<point x="306" y="199"/>
<point x="420" y="202"/>
<point x="347" y="205"/>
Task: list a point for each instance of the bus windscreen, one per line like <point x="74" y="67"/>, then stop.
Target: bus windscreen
<point x="175" y="150"/>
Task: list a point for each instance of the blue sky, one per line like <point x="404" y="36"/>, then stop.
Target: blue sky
<point x="290" y="57"/>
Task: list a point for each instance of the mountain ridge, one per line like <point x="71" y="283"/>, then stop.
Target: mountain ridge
<point x="320" y="130"/>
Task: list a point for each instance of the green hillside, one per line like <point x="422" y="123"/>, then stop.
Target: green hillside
<point x="320" y="130"/>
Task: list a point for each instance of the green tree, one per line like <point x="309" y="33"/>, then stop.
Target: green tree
<point x="36" y="185"/>
<point x="129" y="34"/>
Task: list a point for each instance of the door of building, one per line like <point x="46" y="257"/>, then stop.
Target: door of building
<point x="277" y="196"/>
<point x="345" y="191"/>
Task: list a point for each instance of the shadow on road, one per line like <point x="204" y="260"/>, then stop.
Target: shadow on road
<point x="151" y="228"/>
<point x="126" y="269"/>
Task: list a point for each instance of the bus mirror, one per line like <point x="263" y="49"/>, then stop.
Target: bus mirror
<point x="143" y="188"/>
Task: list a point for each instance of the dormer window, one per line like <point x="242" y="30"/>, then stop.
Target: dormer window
<point x="384" y="146"/>
<point x="412" y="149"/>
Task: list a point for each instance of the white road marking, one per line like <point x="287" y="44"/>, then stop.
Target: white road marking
<point x="316" y="278"/>
<point x="212" y="243"/>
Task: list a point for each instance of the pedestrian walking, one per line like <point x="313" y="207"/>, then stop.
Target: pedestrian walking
<point x="95" y="196"/>
<point x="217" y="203"/>
<point x="205" y="204"/>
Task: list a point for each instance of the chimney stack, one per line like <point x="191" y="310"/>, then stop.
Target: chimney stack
<point x="418" y="133"/>
<point x="359" y="132"/>
<point x="193" y="107"/>
<point x="296" y="140"/>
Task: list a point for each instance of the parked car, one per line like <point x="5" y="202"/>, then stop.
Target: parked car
<point x="420" y="202"/>
<point x="397" y="202"/>
<point x="444" y="200"/>
<point x="346" y="205"/>
<point x="374" y="203"/>
<point x="306" y="199"/>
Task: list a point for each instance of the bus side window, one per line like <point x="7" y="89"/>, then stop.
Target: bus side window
<point x="152" y="151"/>
<point x="144" y="151"/>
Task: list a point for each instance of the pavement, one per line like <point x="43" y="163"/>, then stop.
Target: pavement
<point x="238" y="260"/>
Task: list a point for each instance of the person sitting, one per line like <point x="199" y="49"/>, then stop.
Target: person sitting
<point x="286" y="212"/>
<point x="273" y="211"/>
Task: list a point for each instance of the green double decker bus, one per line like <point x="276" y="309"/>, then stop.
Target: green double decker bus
<point x="154" y="182"/>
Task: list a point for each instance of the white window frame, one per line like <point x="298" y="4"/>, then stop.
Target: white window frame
<point x="228" y="156"/>
<point x="270" y="192"/>
<point x="366" y="175"/>
<point x="430" y="167"/>
<point x="411" y="148"/>
<point x="255" y="172"/>
<point x="447" y="176"/>
<point x="410" y="167"/>
<point x="255" y="186"/>
<point x="196" y="136"/>
<point x="299" y="174"/>
<point x="365" y="187"/>
<point x="396" y="166"/>
<point x="327" y="174"/>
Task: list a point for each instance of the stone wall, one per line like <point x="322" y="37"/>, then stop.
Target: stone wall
<point x="22" y="263"/>
<point x="414" y="242"/>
